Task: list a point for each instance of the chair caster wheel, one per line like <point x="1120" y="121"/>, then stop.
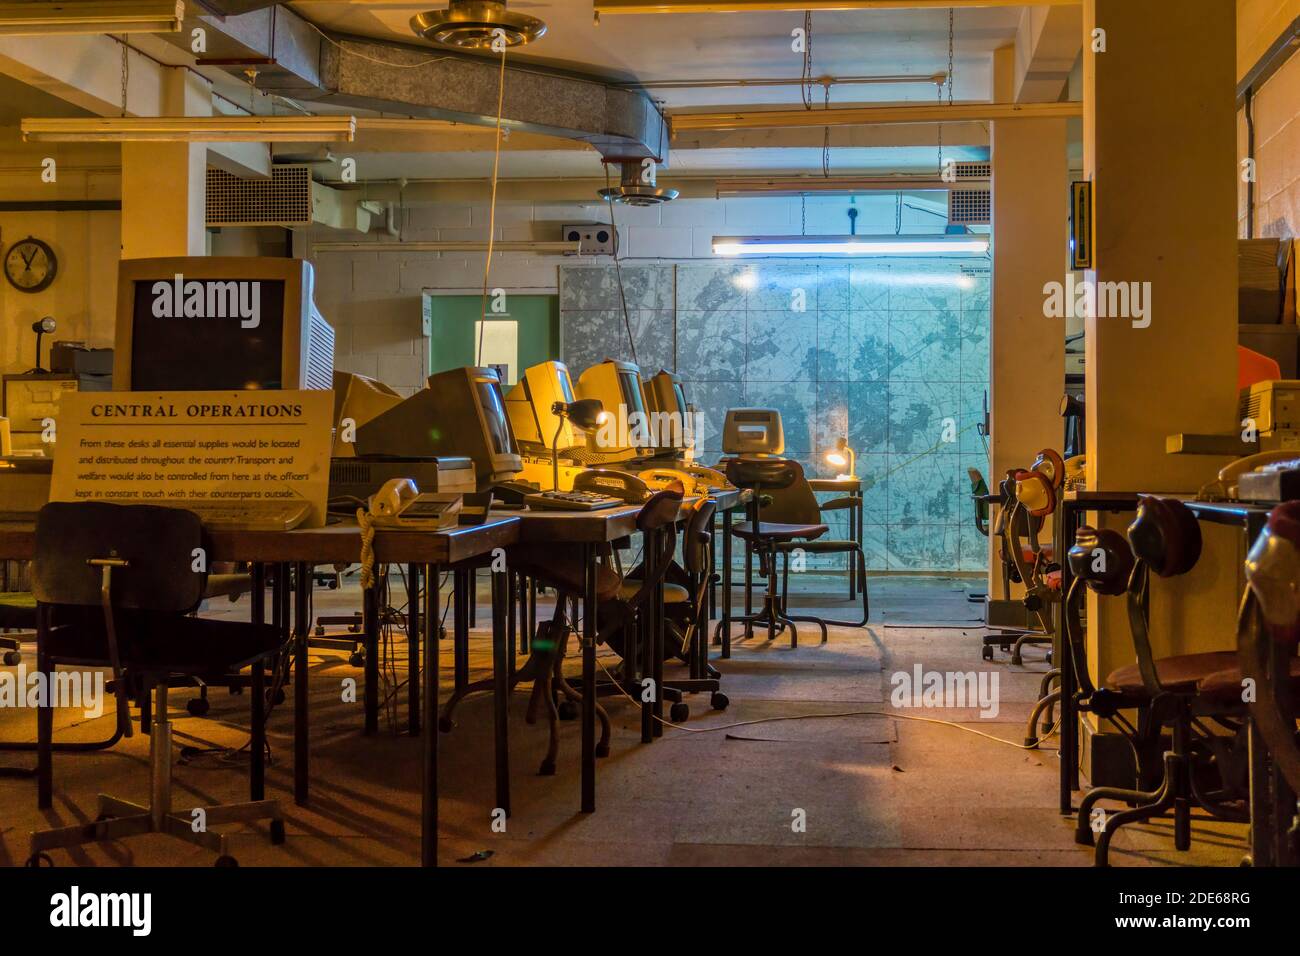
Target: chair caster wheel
<point x="602" y="750"/>
<point x="679" y="712"/>
<point x="277" y="832"/>
<point x="198" y="707"/>
<point x="357" y="659"/>
<point x="445" y="724"/>
<point x="37" y="860"/>
<point x="226" y="860"/>
<point x="547" y="769"/>
<point x="13" y="658"/>
<point x="719" y="701"/>
<point x="987" y="652"/>
<point x="568" y="710"/>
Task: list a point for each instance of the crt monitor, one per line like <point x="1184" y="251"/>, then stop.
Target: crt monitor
<point x="529" y="407"/>
<point x="753" y="431"/>
<point x="460" y="413"/>
<point x="213" y="323"/>
<point x="617" y="385"/>
<point x="666" y="397"/>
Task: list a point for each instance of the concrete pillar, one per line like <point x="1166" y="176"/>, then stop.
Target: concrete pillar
<point x="1159" y="148"/>
<point x="1026" y="349"/>
<point x="164" y="188"/>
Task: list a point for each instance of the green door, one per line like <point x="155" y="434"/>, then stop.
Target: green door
<point x="521" y="331"/>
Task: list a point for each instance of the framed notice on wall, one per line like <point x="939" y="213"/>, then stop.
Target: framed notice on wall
<point x="263" y="446"/>
<point x="1081" y="226"/>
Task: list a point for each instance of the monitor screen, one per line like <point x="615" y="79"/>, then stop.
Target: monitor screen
<point x="223" y="350"/>
<point x="629" y="384"/>
<point x="494" y="413"/>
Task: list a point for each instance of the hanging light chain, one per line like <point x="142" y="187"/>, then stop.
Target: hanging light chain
<point x="126" y="73"/>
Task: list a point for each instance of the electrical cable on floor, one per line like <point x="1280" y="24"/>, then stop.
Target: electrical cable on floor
<point x="492" y="207"/>
<point x="855" y="713"/>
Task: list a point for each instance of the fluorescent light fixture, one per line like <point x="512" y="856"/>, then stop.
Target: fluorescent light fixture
<point x="884" y="115"/>
<point x="91" y="16"/>
<point x="850" y="245"/>
<point x="192" y="129"/>
<point x="473" y="245"/>
<point x="833" y="186"/>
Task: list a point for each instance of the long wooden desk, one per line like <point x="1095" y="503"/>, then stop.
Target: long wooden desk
<point x="341" y="543"/>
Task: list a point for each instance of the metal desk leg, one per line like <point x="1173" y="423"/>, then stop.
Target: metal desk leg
<point x="370" y="637"/>
<point x="257" y="746"/>
<point x="429" y="706"/>
<point x="726" y="584"/>
<point x="1064" y="659"/>
<point x="45" y="715"/>
<point x="656" y="637"/>
<point x="853" y="557"/>
<point x="589" y="680"/>
<point x="413" y="649"/>
<point x="1262" y="845"/>
<point x="502" y="665"/>
<point x="713" y="588"/>
<point x="301" y="613"/>
<point x="463" y="601"/>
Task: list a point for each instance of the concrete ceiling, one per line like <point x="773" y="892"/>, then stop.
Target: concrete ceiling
<point x="733" y="46"/>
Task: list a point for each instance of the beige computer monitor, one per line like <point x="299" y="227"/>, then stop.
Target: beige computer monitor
<point x="357" y="400"/>
<point x="617" y="385"/>
<point x="159" y="347"/>
<point x="529" y="405"/>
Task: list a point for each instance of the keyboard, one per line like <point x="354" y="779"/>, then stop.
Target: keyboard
<point x="571" y="501"/>
<point x="239" y="515"/>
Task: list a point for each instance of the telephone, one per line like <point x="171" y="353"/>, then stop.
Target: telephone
<point x="709" y="478"/>
<point x="661" y="478"/>
<point x="399" y="505"/>
<point x="617" y="484"/>
<point x="1224" y="488"/>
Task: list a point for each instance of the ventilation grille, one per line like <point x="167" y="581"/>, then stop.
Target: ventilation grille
<point x="319" y="372"/>
<point x="969" y="207"/>
<point x="965" y="171"/>
<point x="282" y="200"/>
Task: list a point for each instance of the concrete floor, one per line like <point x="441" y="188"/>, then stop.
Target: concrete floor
<point x="872" y="790"/>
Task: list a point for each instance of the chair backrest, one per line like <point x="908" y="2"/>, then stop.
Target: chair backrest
<point x="697" y="536"/>
<point x="660" y="509"/>
<point x="157" y="543"/>
<point x="1165" y="535"/>
<point x="763" y="474"/>
<point x="794" y="504"/>
<point x="979" y="490"/>
<point x="658" y="517"/>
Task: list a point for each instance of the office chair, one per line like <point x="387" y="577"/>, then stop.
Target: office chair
<point x="788" y="521"/>
<point x="1165" y="538"/>
<point x="17" y="613"/>
<point x="115" y="588"/>
<point x="981" y="499"/>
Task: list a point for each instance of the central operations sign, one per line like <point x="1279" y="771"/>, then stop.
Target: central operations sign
<point x="198" y="446"/>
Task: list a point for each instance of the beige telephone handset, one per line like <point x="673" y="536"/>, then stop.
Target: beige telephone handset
<point x="400" y="505"/>
<point x="1224" y="488"/>
<point x="660" y="478"/>
<point x="711" y="478"/>
<point x="616" y="484"/>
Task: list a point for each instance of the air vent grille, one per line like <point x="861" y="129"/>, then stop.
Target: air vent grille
<point x="970" y="207"/>
<point x="965" y="171"/>
<point x="282" y="200"/>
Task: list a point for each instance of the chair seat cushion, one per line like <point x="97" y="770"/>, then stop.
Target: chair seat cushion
<point x="156" y="643"/>
<point x="561" y="567"/>
<point x="1225" y="685"/>
<point x="227" y="585"/>
<point x="1180" y="673"/>
<point x="775" y="531"/>
<point x="673" y="593"/>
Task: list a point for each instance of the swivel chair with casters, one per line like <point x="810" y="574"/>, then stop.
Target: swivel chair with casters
<point x="1166" y="692"/>
<point x="980" y="497"/>
<point x="115" y="588"/>
<point x="17" y="613"/>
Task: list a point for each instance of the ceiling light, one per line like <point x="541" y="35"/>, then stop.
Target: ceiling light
<point x="42" y="18"/>
<point x="637" y="186"/>
<point x="850" y="245"/>
<point x="192" y="129"/>
<point x="872" y="115"/>
<point x="835" y="185"/>
<point x="474" y="25"/>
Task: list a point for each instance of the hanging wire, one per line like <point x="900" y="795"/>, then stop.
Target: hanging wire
<point x="806" y="77"/>
<point x="947" y="80"/>
<point x="492" y="207"/>
<point x="126" y="73"/>
<point x="618" y="271"/>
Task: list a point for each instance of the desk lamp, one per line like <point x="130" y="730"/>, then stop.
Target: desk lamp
<point x="41" y="327"/>
<point x="841" y="456"/>
<point x="586" y="413"/>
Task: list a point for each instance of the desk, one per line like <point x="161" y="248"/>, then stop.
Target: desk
<point x="852" y="487"/>
<point x="341" y="543"/>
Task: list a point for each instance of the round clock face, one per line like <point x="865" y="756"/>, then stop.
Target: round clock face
<point x="30" y="265"/>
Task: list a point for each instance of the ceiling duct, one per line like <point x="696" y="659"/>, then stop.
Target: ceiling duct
<point x="637" y="186"/>
<point x="473" y="25"/>
<point x="233" y="8"/>
<point x="282" y="200"/>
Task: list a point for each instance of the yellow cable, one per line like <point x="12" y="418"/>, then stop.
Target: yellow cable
<point x="367" y="523"/>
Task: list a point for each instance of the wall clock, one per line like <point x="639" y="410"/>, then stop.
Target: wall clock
<point x="30" y="265"/>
